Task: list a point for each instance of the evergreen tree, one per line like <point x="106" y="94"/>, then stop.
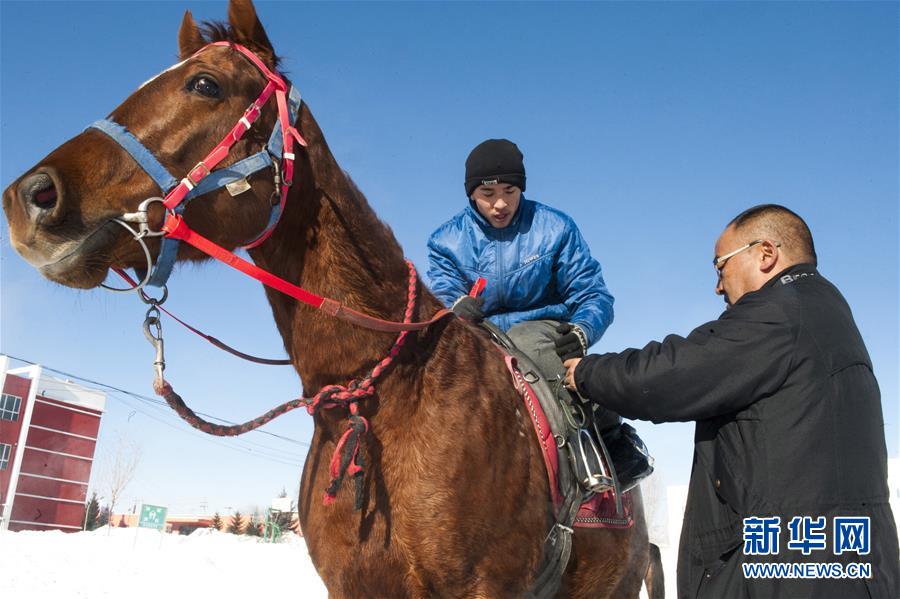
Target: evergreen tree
<point x="234" y="526"/>
<point x="252" y="528"/>
<point x="92" y="513"/>
<point x="103" y="518"/>
<point x="217" y="521"/>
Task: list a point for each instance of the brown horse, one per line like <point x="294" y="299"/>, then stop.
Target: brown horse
<point x="455" y="501"/>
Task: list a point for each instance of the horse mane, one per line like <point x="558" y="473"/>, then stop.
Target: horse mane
<point x="218" y="31"/>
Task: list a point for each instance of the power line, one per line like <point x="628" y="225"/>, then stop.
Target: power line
<point x="233" y="444"/>
<point x="166" y="416"/>
<point x="286" y="458"/>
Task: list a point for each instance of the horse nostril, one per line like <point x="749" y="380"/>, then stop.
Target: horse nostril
<point x="38" y="191"/>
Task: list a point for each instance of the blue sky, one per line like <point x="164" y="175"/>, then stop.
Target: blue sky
<point x="652" y="124"/>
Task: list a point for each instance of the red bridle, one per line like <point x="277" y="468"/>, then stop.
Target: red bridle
<point x="175" y="226"/>
<point x="275" y="84"/>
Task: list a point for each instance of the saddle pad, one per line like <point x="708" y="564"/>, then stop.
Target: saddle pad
<point x="599" y="511"/>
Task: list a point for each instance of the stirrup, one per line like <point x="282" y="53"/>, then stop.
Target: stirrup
<point x="594" y="473"/>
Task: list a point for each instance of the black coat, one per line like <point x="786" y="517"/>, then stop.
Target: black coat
<point x="789" y="423"/>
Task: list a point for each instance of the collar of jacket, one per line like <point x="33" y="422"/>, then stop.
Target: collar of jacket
<point x="791" y="274"/>
<point x="784" y="277"/>
<point x="493" y="231"/>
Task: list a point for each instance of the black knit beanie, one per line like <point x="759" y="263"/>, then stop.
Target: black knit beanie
<point x="494" y="161"/>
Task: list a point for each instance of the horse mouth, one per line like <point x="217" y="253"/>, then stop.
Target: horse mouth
<point x="83" y="263"/>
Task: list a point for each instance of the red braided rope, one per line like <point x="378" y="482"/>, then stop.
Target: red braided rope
<point x="346" y="458"/>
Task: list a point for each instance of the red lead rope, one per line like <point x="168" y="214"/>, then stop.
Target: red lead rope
<point x="348" y="455"/>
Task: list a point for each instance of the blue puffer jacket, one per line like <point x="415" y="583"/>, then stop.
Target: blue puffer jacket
<point x="537" y="268"/>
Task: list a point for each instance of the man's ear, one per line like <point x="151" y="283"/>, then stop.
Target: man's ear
<point x="769" y="256"/>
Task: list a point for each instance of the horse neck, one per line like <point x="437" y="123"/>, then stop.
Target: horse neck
<point x="330" y="242"/>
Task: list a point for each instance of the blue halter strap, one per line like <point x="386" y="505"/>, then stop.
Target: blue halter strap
<point x="217" y="179"/>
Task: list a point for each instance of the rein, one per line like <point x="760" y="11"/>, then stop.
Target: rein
<point x="153" y="321"/>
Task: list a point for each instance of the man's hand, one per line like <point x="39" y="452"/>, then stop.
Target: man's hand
<point x="572" y="344"/>
<point x="571" y="365"/>
<point x="469" y="308"/>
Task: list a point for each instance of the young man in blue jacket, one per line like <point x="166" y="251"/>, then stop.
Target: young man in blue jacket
<point x="544" y="288"/>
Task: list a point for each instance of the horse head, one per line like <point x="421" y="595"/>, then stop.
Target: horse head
<point x="63" y="211"/>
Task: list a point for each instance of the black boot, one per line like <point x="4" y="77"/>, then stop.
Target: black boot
<point x="629" y="455"/>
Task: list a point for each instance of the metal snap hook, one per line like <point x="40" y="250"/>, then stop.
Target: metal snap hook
<point x="152" y="320"/>
<point x="153" y="333"/>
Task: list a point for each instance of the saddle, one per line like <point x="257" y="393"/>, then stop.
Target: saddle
<point x="584" y="487"/>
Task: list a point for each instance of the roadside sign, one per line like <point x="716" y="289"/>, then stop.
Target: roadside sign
<point x="152" y="516"/>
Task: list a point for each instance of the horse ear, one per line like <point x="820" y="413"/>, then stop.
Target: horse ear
<point x="246" y="26"/>
<point x="189" y="37"/>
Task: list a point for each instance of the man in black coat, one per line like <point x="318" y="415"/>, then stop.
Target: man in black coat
<point x="789" y="450"/>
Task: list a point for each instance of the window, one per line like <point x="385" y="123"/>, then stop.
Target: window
<point x="4" y="455"/>
<point x="9" y="407"/>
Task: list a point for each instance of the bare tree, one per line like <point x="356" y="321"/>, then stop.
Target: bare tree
<point x="119" y="467"/>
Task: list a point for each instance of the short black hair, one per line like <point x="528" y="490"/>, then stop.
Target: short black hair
<point x="779" y="224"/>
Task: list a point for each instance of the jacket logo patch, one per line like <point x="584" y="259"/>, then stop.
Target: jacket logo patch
<point x="787" y="279"/>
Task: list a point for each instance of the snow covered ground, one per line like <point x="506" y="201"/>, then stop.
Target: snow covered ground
<point x="141" y="563"/>
<point x="145" y="564"/>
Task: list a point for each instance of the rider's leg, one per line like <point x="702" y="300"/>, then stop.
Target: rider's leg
<point x="535" y="338"/>
<point x="629" y="454"/>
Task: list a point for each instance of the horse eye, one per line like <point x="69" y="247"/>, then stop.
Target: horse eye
<point x="205" y="86"/>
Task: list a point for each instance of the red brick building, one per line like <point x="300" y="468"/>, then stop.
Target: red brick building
<point x="48" y="434"/>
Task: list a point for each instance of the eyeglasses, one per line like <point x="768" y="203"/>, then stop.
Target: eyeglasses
<point x="719" y="262"/>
